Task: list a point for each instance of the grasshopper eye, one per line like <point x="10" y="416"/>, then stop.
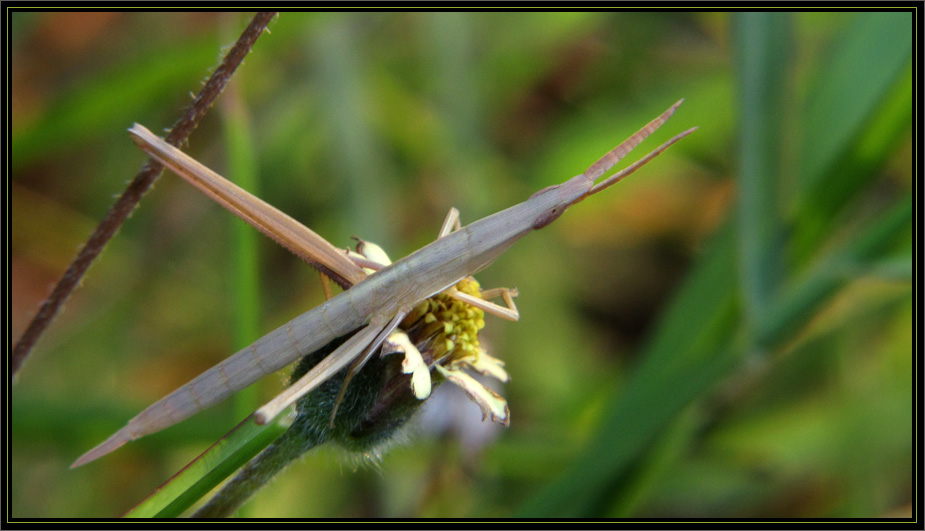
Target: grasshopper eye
<point x="549" y="216"/>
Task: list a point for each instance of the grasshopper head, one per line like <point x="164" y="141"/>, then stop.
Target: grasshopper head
<point x="559" y="197"/>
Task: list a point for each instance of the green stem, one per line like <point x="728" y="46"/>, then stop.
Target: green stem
<point x="260" y="470"/>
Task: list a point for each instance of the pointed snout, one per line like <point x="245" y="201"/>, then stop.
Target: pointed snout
<point x="549" y="203"/>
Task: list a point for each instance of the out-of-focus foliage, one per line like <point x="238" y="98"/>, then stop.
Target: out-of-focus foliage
<point x="726" y="334"/>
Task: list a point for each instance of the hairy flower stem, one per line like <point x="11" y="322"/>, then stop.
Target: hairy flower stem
<point x="258" y="472"/>
<point x="377" y="403"/>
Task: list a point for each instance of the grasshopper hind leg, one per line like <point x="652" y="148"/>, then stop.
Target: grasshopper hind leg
<point x="329" y="366"/>
<point x="363" y="358"/>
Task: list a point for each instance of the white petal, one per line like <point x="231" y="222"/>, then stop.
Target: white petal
<point x="394" y="343"/>
<point x="373" y="252"/>
<point x="491" y="403"/>
<point x="420" y="382"/>
<point x="413" y="363"/>
<point x="489" y="366"/>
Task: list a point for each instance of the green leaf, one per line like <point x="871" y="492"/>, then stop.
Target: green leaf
<point x="763" y="43"/>
<point x="245" y="288"/>
<point x="688" y="355"/>
<point x="837" y="269"/>
<point x="112" y="100"/>
<point x="859" y="106"/>
<point x="866" y="60"/>
<point x="205" y="472"/>
<point x="245" y="270"/>
<point x="703" y="336"/>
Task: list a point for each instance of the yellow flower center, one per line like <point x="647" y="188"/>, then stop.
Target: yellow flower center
<point x="451" y="326"/>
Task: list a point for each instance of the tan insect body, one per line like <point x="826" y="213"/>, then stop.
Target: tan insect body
<point x="374" y="304"/>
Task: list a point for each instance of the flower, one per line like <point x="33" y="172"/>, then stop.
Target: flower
<point x="442" y="334"/>
<point x="446" y="330"/>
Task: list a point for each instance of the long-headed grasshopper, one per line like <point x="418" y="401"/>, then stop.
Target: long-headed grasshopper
<point x="374" y="304"/>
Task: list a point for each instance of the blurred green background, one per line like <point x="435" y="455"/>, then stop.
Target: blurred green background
<point x="725" y="334"/>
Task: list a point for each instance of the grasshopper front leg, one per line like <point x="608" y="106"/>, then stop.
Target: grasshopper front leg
<point x="451" y="223"/>
<point x="508" y="312"/>
<point x="361" y="359"/>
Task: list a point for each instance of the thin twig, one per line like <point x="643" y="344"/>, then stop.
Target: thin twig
<point x="137" y="188"/>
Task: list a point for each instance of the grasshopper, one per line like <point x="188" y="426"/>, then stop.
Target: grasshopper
<point x="374" y="304"/>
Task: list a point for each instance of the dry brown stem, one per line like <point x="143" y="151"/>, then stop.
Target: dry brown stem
<point x="137" y="188"/>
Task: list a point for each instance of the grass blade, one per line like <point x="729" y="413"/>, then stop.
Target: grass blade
<point x="763" y="42"/>
<point x="100" y="105"/>
<point x="205" y="472"/>
<point x="687" y="356"/>
<point x="702" y="338"/>
<point x="837" y="269"/>
<point x="854" y="114"/>
<point x="245" y="274"/>
<point x="868" y="57"/>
